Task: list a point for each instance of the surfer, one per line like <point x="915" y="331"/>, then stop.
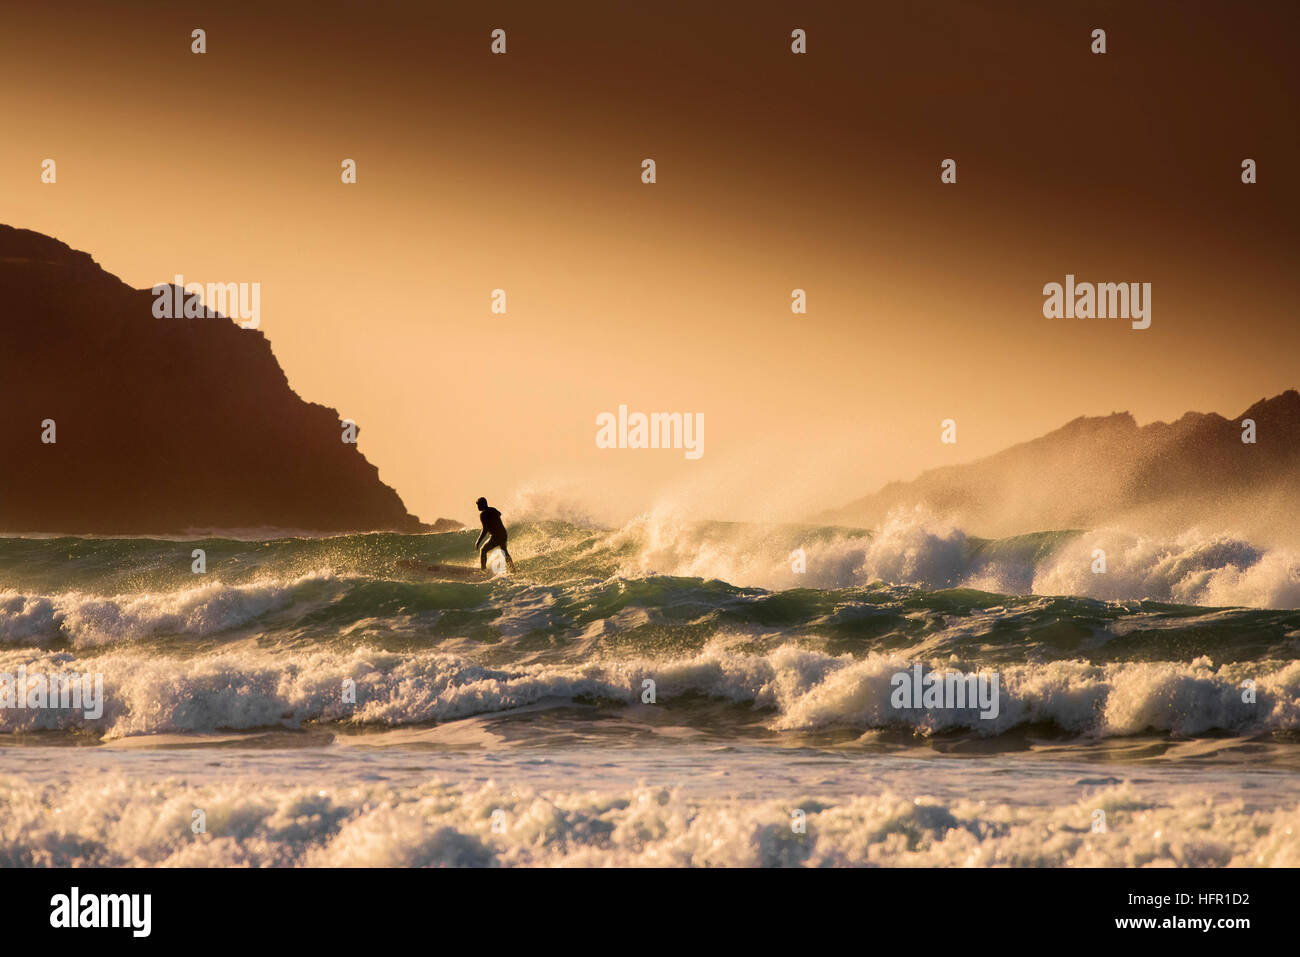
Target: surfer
<point x="494" y="530"/>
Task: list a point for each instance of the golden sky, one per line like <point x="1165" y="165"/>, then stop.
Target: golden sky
<point x="775" y="171"/>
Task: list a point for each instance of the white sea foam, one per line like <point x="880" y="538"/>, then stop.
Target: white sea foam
<point x="116" y="819"/>
<point x="1193" y="569"/>
<point x="913" y="548"/>
<point x="87" y="619"/>
<point x="803" y="689"/>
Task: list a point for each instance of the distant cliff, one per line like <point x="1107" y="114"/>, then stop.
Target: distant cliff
<point x="161" y="425"/>
<point x="1107" y="469"/>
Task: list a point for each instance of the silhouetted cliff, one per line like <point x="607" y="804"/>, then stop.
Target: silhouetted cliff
<point x="161" y="425"/>
<point x="1093" y="471"/>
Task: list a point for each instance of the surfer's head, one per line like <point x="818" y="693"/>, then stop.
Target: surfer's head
<point x="481" y="503"/>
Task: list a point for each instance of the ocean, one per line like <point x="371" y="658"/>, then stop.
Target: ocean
<point x="662" y="693"/>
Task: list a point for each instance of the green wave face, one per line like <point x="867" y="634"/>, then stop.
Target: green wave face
<point x="585" y="593"/>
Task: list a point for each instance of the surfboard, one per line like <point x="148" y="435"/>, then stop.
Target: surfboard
<point x="460" y="573"/>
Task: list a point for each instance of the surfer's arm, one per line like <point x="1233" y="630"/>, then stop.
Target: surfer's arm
<point x="481" y="536"/>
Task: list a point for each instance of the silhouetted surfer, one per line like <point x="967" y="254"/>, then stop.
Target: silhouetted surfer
<point x="494" y="531"/>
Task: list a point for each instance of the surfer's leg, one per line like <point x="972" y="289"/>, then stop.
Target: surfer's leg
<point x="491" y="544"/>
<point x="510" y="562"/>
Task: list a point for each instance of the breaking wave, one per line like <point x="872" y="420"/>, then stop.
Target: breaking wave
<point x="799" y="627"/>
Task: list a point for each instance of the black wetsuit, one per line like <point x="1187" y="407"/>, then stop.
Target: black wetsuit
<point x="495" y="529"/>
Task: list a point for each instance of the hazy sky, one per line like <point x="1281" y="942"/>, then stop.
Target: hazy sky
<point x="775" y="171"/>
